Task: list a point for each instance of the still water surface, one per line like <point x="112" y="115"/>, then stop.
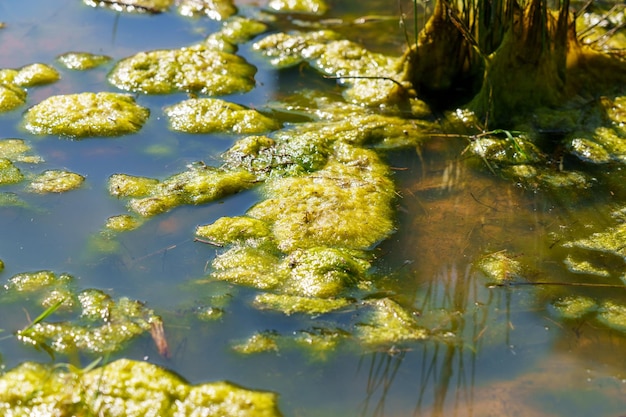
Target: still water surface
<point x="509" y="354"/>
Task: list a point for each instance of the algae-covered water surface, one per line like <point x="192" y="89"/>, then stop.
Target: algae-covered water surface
<point x="302" y="208"/>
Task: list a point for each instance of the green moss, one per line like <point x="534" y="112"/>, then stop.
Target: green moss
<point x="122" y="223"/>
<point x="198" y="185"/>
<point x="213" y="9"/>
<point x="229" y="230"/>
<point x="205" y="115"/>
<point x="313" y="7"/>
<point x="82" y="60"/>
<point x="133" y="6"/>
<point x="290" y="304"/>
<point x="86" y="114"/>
<point x="9" y="173"/>
<point x="36" y="74"/>
<point x="124" y="387"/>
<point x="11" y="97"/>
<point x="195" y="69"/>
<point x="346" y="204"/>
<point x="574" y="307"/>
<point x="499" y="267"/>
<point x="54" y="181"/>
<point x="389" y="323"/>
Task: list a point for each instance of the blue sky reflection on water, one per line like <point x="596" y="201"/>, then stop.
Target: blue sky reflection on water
<point x="506" y="357"/>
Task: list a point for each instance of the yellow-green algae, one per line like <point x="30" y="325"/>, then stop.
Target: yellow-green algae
<point x="11" y="97"/>
<point x="228" y="230"/>
<point x="313" y="7"/>
<point x="194" y="69"/>
<point x="56" y="181"/>
<point x="581" y="266"/>
<point x="199" y="184"/>
<point x="499" y="267"/>
<point x="124" y="388"/>
<point x="237" y="30"/>
<point x="258" y="343"/>
<point x="36" y="74"/>
<point x="213" y="9"/>
<point x="374" y="79"/>
<point x="574" y="307"/>
<point x="207" y="115"/>
<point x="609" y="241"/>
<point x="9" y="173"/>
<point x="613" y="315"/>
<point x="82" y="60"/>
<point x="17" y="150"/>
<point x="86" y="114"/>
<point x="388" y="322"/>
<point x="290" y="304"/>
<point x="122" y="223"/>
<point x="133" y="6"/>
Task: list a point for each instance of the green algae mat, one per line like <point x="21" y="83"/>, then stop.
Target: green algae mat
<point x="303" y="208"/>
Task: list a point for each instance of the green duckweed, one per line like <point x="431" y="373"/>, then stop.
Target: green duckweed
<point x="124" y="387"/>
<point x="194" y="69"/>
<point x="56" y="181"/>
<point x="86" y="114"/>
<point x="82" y="61"/>
<point x="36" y="74"/>
<point x="206" y="115"/>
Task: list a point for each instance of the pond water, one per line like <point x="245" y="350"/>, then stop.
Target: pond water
<point x="504" y="351"/>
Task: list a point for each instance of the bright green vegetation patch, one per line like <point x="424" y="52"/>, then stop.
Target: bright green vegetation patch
<point x="613" y="315"/>
<point x="610" y="241"/>
<point x="11" y="97"/>
<point x="313" y="7"/>
<point x="194" y="69"/>
<point x="206" y="115"/>
<point x="124" y="388"/>
<point x="332" y="56"/>
<point x="82" y="60"/>
<point x="55" y="181"/>
<point x="574" y="307"/>
<point x="388" y="322"/>
<point x="290" y="304"/>
<point x="122" y="223"/>
<point x="86" y="114"/>
<point x="213" y="9"/>
<point x="245" y="230"/>
<point x="236" y="30"/>
<point x="36" y="74"/>
<point x="9" y="173"/>
<point x="198" y="185"/>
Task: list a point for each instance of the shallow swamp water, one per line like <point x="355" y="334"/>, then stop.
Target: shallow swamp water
<point x="508" y="293"/>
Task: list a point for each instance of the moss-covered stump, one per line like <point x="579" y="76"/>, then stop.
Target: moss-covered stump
<point x="86" y="114"/>
<point x="194" y="69"/>
<point x="206" y="115"/>
<point x="124" y="388"/>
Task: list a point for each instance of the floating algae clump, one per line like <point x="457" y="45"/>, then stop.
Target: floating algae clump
<point x="206" y="115"/>
<point x="388" y="322"/>
<point x="82" y="60"/>
<point x="36" y="74"/>
<point x="103" y="325"/>
<point x="16" y="150"/>
<point x="194" y="69"/>
<point x="613" y="315"/>
<point x="213" y="9"/>
<point x="86" y="114"/>
<point x="54" y="181"/>
<point x="229" y="230"/>
<point x="574" y="307"/>
<point x="9" y="173"/>
<point x="346" y="204"/>
<point x="499" y="267"/>
<point x="610" y="241"/>
<point x="133" y="6"/>
<point x="123" y="222"/>
<point x="124" y="388"/>
<point x="11" y="97"/>
<point x="290" y="304"/>
<point x="198" y="185"/>
<point x="313" y="7"/>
